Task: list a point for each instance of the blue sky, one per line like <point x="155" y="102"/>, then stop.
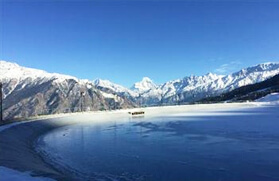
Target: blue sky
<point x="124" y="41"/>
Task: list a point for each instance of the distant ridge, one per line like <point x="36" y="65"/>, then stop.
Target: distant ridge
<point x="248" y="92"/>
<point x="31" y="92"/>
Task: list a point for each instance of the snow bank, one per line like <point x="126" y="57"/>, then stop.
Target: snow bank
<point x="8" y="174"/>
<point x="272" y="98"/>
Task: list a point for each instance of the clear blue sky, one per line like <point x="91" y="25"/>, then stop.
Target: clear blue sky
<point x="125" y="40"/>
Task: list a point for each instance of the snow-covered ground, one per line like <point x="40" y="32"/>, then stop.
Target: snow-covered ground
<point x="270" y="99"/>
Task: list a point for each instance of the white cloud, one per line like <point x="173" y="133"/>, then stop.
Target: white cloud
<point x="228" y="67"/>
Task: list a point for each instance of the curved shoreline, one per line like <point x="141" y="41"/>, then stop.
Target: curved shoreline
<point x="17" y="148"/>
<point x="49" y="160"/>
<point x="17" y="141"/>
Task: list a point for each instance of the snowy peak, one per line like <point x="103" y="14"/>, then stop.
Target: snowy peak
<point x="106" y="84"/>
<point x="146" y="79"/>
<point x="202" y="79"/>
<point x="13" y="70"/>
<point x="212" y="76"/>
<point x="109" y="85"/>
<point x="252" y="74"/>
<point x="103" y="83"/>
<point x="144" y="85"/>
<point x="263" y="67"/>
<point x="10" y="70"/>
<point x="267" y="66"/>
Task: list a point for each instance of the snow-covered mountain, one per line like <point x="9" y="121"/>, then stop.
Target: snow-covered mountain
<point x="196" y="87"/>
<point x="108" y="86"/>
<point x="249" y="92"/>
<point x="29" y="92"/>
<point x="9" y="70"/>
<point x="144" y="86"/>
<point x="191" y="88"/>
<point x="148" y="92"/>
<point x="115" y="91"/>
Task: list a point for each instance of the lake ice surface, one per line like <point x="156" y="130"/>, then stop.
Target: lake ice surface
<point x="223" y="144"/>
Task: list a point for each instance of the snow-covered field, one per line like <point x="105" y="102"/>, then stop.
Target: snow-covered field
<point x="270" y="99"/>
<point x="188" y="112"/>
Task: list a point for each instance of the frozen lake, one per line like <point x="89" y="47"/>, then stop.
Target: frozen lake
<point x="217" y="144"/>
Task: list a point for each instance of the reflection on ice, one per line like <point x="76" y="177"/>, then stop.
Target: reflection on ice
<point x="199" y="143"/>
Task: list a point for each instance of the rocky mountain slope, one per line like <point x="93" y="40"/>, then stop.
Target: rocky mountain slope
<point x="30" y="92"/>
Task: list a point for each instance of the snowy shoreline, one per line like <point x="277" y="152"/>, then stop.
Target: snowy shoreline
<point x="17" y="140"/>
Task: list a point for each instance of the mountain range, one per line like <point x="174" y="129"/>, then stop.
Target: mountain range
<point x="192" y="88"/>
<point x="30" y="92"/>
<point x="249" y="92"/>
